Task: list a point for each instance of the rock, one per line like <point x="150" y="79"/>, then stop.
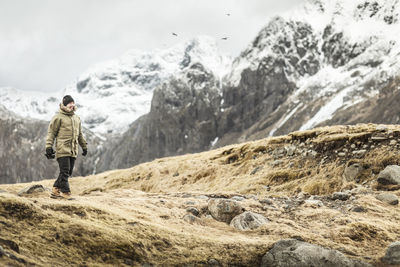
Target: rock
<point x="175" y="174"/>
<point x="390" y="175"/>
<point x="392" y="255"/>
<point x="341" y="154"/>
<point x="202" y="197"/>
<point x="237" y="198"/>
<point x="290" y="150"/>
<point x="292" y="252"/>
<point x="388" y="198"/>
<point x="32" y="189"/>
<point x="378" y="138"/>
<point x="358" y="209"/>
<point x="359" y="153"/>
<point x="224" y="210"/>
<point x="381" y="128"/>
<point x="352" y="171"/>
<point x="313" y="203"/>
<point x="190" y="203"/>
<point x="3" y="191"/>
<point x="190" y="218"/>
<point x="248" y="221"/>
<point x="9" y="243"/>
<point x="266" y="201"/>
<point x="256" y="169"/>
<point x="392" y="142"/>
<point x="341" y="196"/>
<point x="213" y="262"/>
<point x="193" y="211"/>
<point x="2" y="252"/>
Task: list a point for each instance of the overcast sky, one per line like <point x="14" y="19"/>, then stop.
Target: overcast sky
<point x="47" y="44"/>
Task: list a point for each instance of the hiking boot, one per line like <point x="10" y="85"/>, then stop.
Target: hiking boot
<point x="55" y="193"/>
<point x="66" y="195"/>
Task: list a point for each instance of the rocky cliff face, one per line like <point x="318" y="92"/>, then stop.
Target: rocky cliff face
<point x="22" y="145"/>
<point x="321" y="65"/>
<point x="183" y="118"/>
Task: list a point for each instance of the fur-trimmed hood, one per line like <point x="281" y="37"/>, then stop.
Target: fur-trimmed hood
<point x="65" y="110"/>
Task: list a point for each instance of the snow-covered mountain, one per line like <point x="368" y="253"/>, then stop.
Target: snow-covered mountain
<point x="113" y="94"/>
<point x="307" y="65"/>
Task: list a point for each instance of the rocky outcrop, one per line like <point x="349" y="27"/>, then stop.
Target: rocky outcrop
<point x="292" y="252"/>
<point x="182" y="119"/>
<point x="392" y="255"/>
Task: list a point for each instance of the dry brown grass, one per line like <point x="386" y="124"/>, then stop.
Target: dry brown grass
<point x="118" y="218"/>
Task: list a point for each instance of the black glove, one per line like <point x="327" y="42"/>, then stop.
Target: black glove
<point x="84" y="152"/>
<point x="50" y="154"/>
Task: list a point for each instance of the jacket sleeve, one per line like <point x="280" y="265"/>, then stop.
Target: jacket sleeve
<point x="81" y="139"/>
<point x="52" y="131"/>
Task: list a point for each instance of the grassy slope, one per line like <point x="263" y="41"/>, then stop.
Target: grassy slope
<point x="134" y="216"/>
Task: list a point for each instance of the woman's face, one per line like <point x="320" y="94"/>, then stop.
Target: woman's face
<point x="71" y="105"/>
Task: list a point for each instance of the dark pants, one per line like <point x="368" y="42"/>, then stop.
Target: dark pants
<point x="66" y="165"/>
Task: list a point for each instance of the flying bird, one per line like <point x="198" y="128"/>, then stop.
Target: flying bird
<point x="174" y="34"/>
<point x="224" y="38"/>
<point x="228" y="14"/>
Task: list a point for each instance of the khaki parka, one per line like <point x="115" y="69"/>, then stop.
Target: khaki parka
<point x="66" y="128"/>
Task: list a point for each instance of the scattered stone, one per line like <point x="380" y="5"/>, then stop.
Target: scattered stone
<point x="341" y="154"/>
<point x="393" y="142"/>
<point x="353" y="146"/>
<point x="388" y="198"/>
<point x="202" y="197"/>
<point x="2" y="252"/>
<point x="248" y="221"/>
<point x="11" y="244"/>
<point x="237" y="198"/>
<point x="390" y="175"/>
<point x="292" y="252"/>
<point x="32" y="189"/>
<point x="190" y="203"/>
<point x="224" y="210"/>
<point x="175" y="174"/>
<point x="365" y="146"/>
<point x="392" y="255"/>
<point x="276" y="163"/>
<point x="187" y="195"/>
<point x="359" y="153"/>
<point x="213" y="262"/>
<point x="193" y="211"/>
<point x="352" y="171"/>
<point x="378" y="138"/>
<point x="381" y="128"/>
<point x="190" y="218"/>
<point x="252" y="196"/>
<point x="3" y="191"/>
<point x="313" y="203"/>
<point x="358" y="209"/>
<point x="266" y="201"/>
<point x="256" y="169"/>
<point x="290" y="150"/>
<point x="341" y="196"/>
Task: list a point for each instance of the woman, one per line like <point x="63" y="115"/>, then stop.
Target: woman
<point x="65" y="127"/>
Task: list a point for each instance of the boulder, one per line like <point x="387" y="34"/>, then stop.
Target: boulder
<point x="292" y="252"/>
<point x="224" y="210"/>
<point x="193" y="211"/>
<point x="390" y="175"/>
<point x="341" y="196"/>
<point x="32" y="189"/>
<point x="392" y="255"/>
<point x="388" y="198"/>
<point x="248" y="221"/>
<point x="352" y="171"/>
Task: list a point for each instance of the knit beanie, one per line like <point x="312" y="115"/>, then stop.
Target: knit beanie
<point x="67" y="99"/>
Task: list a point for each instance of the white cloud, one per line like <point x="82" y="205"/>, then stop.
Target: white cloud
<point x="46" y="44"/>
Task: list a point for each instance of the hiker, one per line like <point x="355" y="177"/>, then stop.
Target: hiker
<point x="66" y="128"/>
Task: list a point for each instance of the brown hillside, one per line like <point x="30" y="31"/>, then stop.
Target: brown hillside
<point x="135" y="216"/>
